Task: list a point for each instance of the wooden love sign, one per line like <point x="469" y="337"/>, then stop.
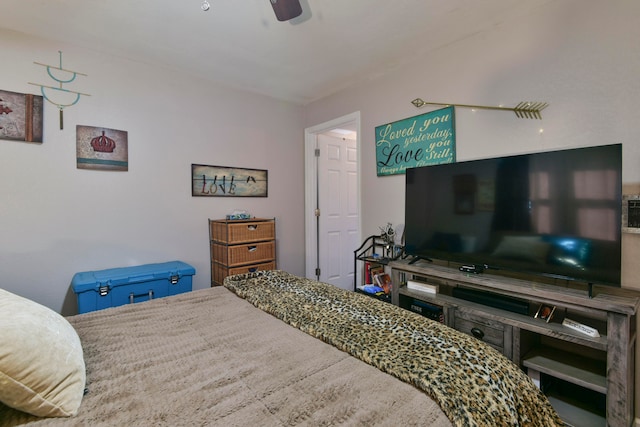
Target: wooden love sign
<point x="427" y="139"/>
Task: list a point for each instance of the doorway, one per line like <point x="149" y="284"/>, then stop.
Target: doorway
<point x="332" y="200"/>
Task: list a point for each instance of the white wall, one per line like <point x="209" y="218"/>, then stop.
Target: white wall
<point x="56" y="220"/>
<point x="580" y="56"/>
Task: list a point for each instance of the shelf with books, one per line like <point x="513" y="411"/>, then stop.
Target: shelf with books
<point x="369" y="263"/>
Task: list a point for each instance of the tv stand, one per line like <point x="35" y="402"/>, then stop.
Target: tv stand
<point x="417" y="258"/>
<point x="579" y="366"/>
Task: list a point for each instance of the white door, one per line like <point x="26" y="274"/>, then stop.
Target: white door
<point x="332" y="201"/>
<point x="338" y="206"/>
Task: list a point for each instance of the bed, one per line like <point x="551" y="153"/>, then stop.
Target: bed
<point x="274" y="349"/>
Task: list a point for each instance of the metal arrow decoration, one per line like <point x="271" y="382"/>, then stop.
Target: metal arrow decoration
<point x="524" y="110"/>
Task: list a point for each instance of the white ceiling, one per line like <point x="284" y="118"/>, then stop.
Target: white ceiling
<point x="332" y="45"/>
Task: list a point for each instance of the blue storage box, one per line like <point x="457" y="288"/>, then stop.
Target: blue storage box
<point x="101" y="289"/>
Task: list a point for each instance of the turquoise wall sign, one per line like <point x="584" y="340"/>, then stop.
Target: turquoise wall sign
<point x="427" y="139"/>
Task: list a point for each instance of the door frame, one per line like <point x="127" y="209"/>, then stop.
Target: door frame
<point x="310" y="181"/>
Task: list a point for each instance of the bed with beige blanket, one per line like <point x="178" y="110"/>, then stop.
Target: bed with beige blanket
<point x="273" y="349"/>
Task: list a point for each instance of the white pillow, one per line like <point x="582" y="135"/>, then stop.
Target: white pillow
<point x="42" y="368"/>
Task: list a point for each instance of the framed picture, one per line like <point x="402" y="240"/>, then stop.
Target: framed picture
<point x="102" y="148"/>
<point x="20" y="116"/>
<point x="224" y="181"/>
<point x="545" y="312"/>
<point x="631" y="213"/>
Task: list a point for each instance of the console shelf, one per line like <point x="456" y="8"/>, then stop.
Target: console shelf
<point x="573" y="368"/>
<point x="601" y="366"/>
<point x="576" y="413"/>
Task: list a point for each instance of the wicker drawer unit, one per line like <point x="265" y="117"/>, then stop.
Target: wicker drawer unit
<point x="241" y="246"/>
<point x="219" y="271"/>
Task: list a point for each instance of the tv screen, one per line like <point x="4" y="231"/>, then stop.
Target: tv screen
<point x="554" y="213"/>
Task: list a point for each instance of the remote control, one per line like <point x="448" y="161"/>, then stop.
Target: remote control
<point x="579" y="327"/>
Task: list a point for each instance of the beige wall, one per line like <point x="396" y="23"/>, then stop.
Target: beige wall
<point x="580" y="56"/>
<point x="57" y="220"/>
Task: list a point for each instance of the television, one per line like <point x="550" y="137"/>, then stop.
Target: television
<point x="555" y="214"/>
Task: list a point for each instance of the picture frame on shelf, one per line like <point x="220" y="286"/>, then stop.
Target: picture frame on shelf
<point x="383" y="280"/>
<point x="545" y="312"/>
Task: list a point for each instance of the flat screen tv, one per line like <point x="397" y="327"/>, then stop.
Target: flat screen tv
<point x="554" y="213"/>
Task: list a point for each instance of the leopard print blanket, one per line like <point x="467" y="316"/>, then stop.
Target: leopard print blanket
<point x="473" y="383"/>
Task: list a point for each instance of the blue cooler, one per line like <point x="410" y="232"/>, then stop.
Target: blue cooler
<point x="101" y="289"/>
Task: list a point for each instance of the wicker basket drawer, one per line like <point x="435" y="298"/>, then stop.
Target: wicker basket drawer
<point x="219" y="271"/>
<point x="242" y="231"/>
<point x="236" y="255"/>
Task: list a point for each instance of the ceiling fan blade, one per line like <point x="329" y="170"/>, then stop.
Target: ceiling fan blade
<point x="286" y="9"/>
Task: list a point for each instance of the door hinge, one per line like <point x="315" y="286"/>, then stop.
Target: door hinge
<point x="316" y="212"/>
<point x="317" y="152"/>
<point x="317" y="272"/>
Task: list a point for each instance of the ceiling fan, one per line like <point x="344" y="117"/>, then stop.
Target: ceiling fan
<point x="286" y="9"/>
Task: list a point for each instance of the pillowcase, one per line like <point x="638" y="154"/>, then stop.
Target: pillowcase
<point x="42" y="369"/>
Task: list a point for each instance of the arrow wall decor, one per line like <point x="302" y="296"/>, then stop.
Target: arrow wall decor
<point x="524" y="110"/>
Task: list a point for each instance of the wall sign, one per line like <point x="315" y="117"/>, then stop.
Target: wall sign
<point x="102" y="148"/>
<point x="20" y="116"/>
<point x="427" y="139"/>
<point x="225" y="181"/>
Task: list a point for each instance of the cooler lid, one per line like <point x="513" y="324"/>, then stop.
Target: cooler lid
<point x="93" y="280"/>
